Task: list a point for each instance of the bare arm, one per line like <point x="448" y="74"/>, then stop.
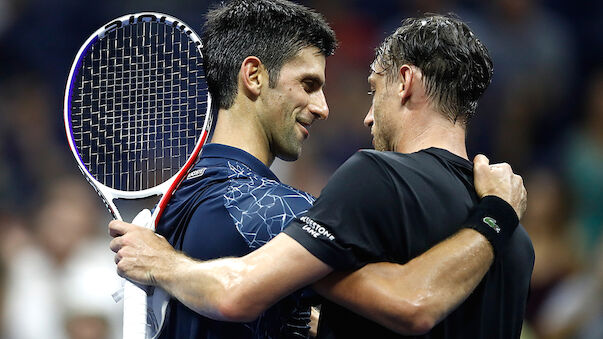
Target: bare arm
<point x="235" y="289"/>
<point x="229" y="289"/>
<point x="412" y="298"/>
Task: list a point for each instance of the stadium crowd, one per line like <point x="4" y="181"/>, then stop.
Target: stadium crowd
<point x="543" y="114"/>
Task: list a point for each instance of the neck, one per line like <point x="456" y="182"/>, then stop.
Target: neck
<point x="436" y="132"/>
<point x="236" y="127"/>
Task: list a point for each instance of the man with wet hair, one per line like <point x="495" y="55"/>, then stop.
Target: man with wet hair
<point x="455" y="65"/>
<point x="426" y="80"/>
<point x="403" y="206"/>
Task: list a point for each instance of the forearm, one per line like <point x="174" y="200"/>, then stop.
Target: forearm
<point x="210" y="288"/>
<point x="412" y="298"/>
<point x="240" y="289"/>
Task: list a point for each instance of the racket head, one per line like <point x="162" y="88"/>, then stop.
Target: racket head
<point x="137" y="109"/>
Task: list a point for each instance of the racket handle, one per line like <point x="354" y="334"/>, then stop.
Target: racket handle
<point x="135" y="297"/>
<point x="135" y="312"/>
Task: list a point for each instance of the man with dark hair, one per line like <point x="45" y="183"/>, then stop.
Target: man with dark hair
<point x="379" y="206"/>
<point x="231" y="203"/>
<point x="272" y="31"/>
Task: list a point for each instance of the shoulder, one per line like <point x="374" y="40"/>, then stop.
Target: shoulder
<point x="240" y="188"/>
<point x="387" y="159"/>
<point x="248" y="187"/>
<point x="261" y="207"/>
<point x="366" y="173"/>
<point x="521" y="249"/>
<point x="431" y="166"/>
<point x="361" y="163"/>
<point x="373" y="166"/>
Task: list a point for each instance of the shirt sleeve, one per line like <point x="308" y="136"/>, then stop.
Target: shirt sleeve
<point x="348" y="224"/>
<point x="261" y="208"/>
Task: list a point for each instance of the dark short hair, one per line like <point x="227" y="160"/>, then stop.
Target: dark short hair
<point x="456" y="66"/>
<point x="272" y="30"/>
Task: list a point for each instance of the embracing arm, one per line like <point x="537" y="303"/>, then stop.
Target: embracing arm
<point x="414" y="297"/>
<point x="228" y="289"/>
<point x="407" y="298"/>
<point x="243" y="288"/>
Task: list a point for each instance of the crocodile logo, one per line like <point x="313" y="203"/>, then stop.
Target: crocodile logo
<point x="492" y="223"/>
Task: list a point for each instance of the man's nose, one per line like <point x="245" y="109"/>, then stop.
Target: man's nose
<point x="319" y="106"/>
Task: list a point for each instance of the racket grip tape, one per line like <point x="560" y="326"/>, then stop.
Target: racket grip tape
<point x="135" y="297"/>
<point x="135" y="312"/>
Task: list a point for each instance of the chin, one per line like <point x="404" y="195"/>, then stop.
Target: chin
<point x="288" y="151"/>
<point x="288" y="157"/>
<point x="379" y="146"/>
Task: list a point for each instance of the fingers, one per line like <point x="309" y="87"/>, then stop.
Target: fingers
<point x="126" y="255"/>
<point x="116" y="244"/>
<point x="481" y="162"/>
<point x="481" y="159"/>
<point x="121" y="266"/>
<point x="117" y="258"/>
<point x="523" y="200"/>
<point x="138" y="251"/>
<point x="499" y="180"/>
<point x="502" y="166"/>
<point x="118" y="228"/>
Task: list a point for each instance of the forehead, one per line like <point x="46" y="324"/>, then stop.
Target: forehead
<point x="375" y="66"/>
<point x="376" y="71"/>
<point x="307" y="60"/>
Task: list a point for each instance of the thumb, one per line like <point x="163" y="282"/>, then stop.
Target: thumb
<point x="480" y="160"/>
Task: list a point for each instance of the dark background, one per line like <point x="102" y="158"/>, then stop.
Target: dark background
<point x="543" y="114"/>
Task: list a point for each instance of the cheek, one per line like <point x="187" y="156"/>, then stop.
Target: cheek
<point x="382" y="109"/>
<point x="377" y="110"/>
<point x="297" y="96"/>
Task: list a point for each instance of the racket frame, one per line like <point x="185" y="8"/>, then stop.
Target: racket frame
<point x="135" y="325"/>
<point x="108" y="194"/>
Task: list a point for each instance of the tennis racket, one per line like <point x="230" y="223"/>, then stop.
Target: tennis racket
<point x="137" y="112"/>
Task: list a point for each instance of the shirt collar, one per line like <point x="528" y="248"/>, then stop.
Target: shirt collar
<point x="237" y="154"/>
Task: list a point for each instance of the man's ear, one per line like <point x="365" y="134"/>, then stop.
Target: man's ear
<point x="406" y="78"/>
<point x="251" y="76"/>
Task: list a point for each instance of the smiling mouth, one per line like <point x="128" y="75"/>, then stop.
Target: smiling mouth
<point x="304" y="127"/>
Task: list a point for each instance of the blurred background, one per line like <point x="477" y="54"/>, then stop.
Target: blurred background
<point x="543" y="114"/>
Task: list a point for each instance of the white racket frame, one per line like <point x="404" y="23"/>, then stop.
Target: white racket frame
<point x="134" y="326"/>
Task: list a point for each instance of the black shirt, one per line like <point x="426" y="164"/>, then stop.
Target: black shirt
<point x="387" y="206"/>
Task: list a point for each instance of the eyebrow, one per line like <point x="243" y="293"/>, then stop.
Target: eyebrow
<point x="372" y="67"/>
<point x="314" y="78"/>
<point x="374" y="71"/>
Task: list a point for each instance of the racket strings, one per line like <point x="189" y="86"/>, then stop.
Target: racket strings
<point x="140" y="105"/>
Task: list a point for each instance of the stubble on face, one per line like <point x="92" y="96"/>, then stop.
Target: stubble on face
<point x="381" y="128"/>
<point x="289" y="118"/>
<point x="287" y="143"/>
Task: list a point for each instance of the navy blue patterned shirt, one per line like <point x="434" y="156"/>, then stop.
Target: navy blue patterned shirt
<point x="229" y="205"/>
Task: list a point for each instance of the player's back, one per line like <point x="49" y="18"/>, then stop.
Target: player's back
<point x="432" y="195"/>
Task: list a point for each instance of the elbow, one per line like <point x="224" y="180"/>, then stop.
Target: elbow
<point x="413" y="319"/>
<point x="235" y="308"/>
<point x="421" y="323"/>
<point x="234" y="313"/>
